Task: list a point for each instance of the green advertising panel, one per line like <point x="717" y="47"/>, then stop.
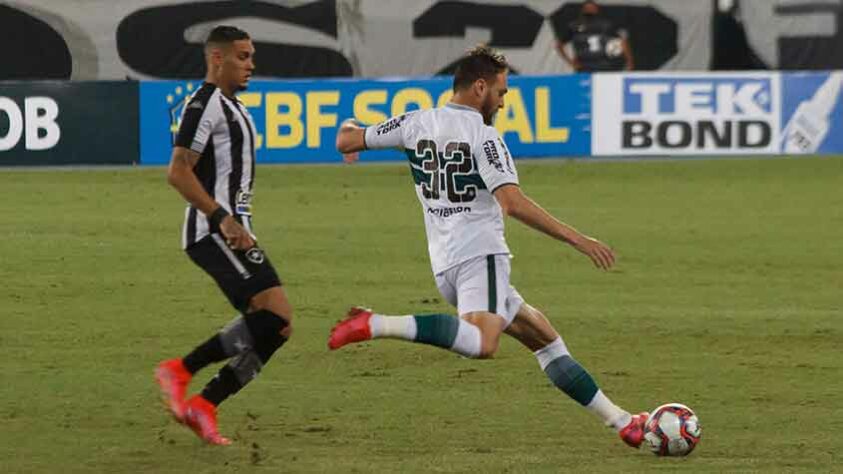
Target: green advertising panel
<point x="68" y="123"/>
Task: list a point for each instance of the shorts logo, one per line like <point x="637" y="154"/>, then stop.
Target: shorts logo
<point x="255" y="255"/>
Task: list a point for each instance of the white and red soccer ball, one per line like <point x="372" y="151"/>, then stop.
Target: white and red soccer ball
<point x="672" y="430"/>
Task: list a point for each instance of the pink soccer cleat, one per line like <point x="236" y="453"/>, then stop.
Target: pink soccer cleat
<point x="201" y="416"/>
<point x="354" y="328"/>
<point x="633" y="433"/>
<point x="173" y="380"/>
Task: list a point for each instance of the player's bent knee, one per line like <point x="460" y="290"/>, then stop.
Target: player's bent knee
<point x="272" y="299"/>
<point x="267" y="329"/>
<point x="486" y="353"/>
<point x="488" y="328"/>
<point x="488" y="347"/>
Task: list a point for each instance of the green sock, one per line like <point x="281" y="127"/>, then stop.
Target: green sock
<point x="438" y="330"/>
<point x="570" y="377"/>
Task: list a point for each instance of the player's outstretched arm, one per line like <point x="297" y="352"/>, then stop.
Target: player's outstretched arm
<point x="352" y="137"/>
<point x="351" y="140"/>
<point x="516" y="204"/>
<point x="180" y="175"/>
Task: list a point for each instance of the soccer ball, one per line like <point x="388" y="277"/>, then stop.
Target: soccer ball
<point x="672" y="430"/>
<point x="614" y="48"/>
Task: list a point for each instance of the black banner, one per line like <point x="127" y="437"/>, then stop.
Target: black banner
<point x="64" y="123"/>
<point x="32" y="49"/>
<point x="151" y="40"/>
<point x="163" y="39"/>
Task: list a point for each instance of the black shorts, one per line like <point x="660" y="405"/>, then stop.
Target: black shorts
<point x="240" y="274"/>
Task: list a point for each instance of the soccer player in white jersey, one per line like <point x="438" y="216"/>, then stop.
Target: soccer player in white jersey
<point x="466" y="182"/>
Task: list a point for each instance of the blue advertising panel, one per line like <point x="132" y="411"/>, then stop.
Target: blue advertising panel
<point x="812" y="113"/>
<point x="297" y="120"/>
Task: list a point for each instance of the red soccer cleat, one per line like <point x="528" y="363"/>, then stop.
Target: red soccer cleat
<point x="201" y="416"/>
<point x="633" y="433"/>
<point x="173" y="379"/>
<point x="354" y="328"/>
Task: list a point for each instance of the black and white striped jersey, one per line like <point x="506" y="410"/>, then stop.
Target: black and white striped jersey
<point x="223" y="133"/>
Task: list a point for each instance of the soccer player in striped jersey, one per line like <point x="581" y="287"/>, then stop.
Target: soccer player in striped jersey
<point x="213" y="168"/>
<point x="466" y="182"/>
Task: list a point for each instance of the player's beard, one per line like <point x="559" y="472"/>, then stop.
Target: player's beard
<point x="488" y="110"/>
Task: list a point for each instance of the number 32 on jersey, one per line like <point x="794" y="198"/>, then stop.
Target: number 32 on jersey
<point x="451" y="173"/>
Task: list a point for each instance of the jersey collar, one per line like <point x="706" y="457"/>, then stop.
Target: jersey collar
<point x="462" y="107"/>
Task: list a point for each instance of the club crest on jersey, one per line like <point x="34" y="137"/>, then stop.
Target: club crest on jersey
<point x="255" y="255"/>
<point x="390" y="125"/>
<point x="492" y="155"/>
<point x="243" y="203"/>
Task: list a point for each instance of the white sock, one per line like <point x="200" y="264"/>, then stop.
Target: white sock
<point x="468" y="340"/>
<point x="552" y="351"/>
<point x="611" y="414"/>
<point x="396" y="327"/>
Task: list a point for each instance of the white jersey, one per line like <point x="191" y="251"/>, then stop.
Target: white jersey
<point x="457" y="162"/>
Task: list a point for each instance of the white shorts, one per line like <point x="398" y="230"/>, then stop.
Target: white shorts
<point x="481" y="284"/>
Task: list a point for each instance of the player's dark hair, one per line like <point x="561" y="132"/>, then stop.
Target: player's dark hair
<point x="225" y="34"/>
<point x="482" y="62"/>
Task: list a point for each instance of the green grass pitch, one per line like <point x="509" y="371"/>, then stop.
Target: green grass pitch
<point x="727" y="296"/>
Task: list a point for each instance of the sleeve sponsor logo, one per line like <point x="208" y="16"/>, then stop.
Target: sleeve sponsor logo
<point x="508" y="158"/>
<point x="243" y="202"/>
<point x="390" y="125"/>
<point x="492" y="156"/>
